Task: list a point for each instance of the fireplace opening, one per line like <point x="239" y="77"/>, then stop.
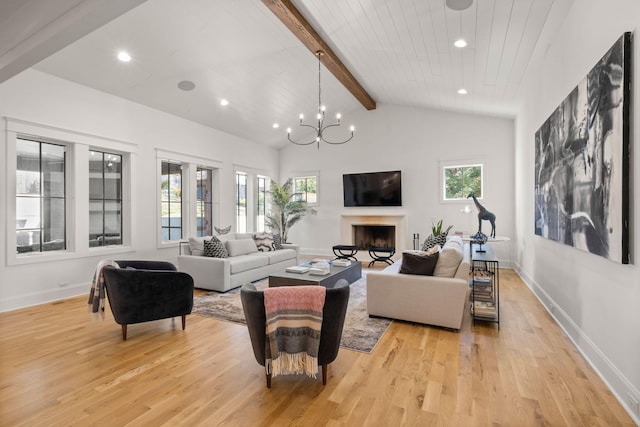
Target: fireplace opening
<point x="366" y="236"/>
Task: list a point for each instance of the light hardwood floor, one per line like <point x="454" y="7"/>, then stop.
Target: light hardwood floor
<point x="57" y="367"/>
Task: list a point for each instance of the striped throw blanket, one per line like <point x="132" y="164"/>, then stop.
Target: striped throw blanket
<point x="97" y="294"/>
<point x="294" y="323"/>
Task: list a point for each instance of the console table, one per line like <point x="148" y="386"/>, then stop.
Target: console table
<point x="485" y="284"/>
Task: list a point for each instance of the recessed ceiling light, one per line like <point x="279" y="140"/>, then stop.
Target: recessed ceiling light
<point x="124" y="56"/>
<point x="276" y="126"/>
<point x="462" y="91"/>
<point x="186" y="85"/>
<point x="224" y="102"/>
<point x="460" y="43"/>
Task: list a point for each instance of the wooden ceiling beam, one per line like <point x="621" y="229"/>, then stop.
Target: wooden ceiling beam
<point x="300" y="27"/>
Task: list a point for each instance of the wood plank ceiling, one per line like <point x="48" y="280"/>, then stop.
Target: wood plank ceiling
<point x="401" y="52"/>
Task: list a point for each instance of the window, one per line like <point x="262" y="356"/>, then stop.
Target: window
<point x="204" y="201"/>
<point x="460" y="180"/>
<point x="241" y="202"/>
<point x="262" y="203"/>
<point x="307" y="189"/>
<point x="171" y="201"/>
<point x="105" y="199"/>
<point x="40" y="196"/>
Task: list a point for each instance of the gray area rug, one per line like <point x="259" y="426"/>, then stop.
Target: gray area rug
<point x="360" y="333"/>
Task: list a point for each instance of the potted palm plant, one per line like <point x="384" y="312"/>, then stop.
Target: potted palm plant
<point x="287" y="208"/>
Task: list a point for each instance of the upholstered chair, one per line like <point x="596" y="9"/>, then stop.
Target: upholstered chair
<point x="142" y="291"/>
<point x="333" y="315"/>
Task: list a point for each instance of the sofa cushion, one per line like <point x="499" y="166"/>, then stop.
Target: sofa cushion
<point x="281" y="255"/>
<point x="241" y="263"/>
<point x="196" y="245"/>
<point x="264" y="241"/>
<point x="241" y="247"/>
<point x="418" y="263"/>
<point x="215" y="248"/>
<point x="449" y="259"/>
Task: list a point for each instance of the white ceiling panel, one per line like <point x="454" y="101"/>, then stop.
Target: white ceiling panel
<point x="400" y="51"/>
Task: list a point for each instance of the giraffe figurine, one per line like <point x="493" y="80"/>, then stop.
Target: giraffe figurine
<point x="484" y="214"/>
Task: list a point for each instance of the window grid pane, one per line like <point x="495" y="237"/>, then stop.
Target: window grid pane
<point x="204" y="202"/>
<point x="459" y="181"/>
<point x="105" y="199"/>
<point x="241" y="202"/>
<point x="171" y="201"/>
<point x="262" y="203"/>
<point x="40" y="196"/>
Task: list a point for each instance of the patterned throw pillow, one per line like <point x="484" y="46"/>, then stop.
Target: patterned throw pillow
<point x="215" y="248"/>
<point x="277" y="242"/>
<point x="432" y="241"/>
<point x="264" y="241"/>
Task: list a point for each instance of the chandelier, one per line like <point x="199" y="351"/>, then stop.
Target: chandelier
<point x="321" y="126"/>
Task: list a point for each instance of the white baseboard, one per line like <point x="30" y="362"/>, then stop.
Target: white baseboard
<point x="43" y="297"/>
<point x="619" y="385"/>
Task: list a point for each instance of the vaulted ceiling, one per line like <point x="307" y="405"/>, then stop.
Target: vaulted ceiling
<point x="400" y="51"/>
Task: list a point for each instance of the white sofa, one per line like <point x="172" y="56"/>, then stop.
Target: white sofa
<point x="223" y="274"/>
<point x="431" y="300"/>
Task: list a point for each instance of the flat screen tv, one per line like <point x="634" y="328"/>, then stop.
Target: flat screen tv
<point x="372" y="189"/>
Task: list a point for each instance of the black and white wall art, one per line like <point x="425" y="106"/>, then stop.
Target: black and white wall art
<point x="582" y="161"/>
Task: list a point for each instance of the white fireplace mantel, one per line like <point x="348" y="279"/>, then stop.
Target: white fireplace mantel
<point x="399" y="221"/>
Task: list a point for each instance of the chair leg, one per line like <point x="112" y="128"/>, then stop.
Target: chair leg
<point x="268" y="380"/>
<point x="324" y="374"/>
<point x="124" y="332"/>
<point x="184" y="321"/>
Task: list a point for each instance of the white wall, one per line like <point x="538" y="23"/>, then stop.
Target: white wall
<point x="594" y="299"/>
<point x="37" y="97"/>
<point x="415" y="141"/>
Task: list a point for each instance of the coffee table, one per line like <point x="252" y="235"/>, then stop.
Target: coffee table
<point x="350" y="273"/>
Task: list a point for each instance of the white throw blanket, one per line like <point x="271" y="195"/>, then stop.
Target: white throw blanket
<point x="97" y="294"/>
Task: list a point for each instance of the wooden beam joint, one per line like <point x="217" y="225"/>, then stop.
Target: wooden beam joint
<point x="302" y="29"/>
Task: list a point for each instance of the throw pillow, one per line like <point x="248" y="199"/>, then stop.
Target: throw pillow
<point x="241" y="247"/>
<point x="418" y="264"/>
<point x="277" y="242"/>
<point x="264" y="241"/>
<point x="215" y="248"/>
<point x="196" y="245"/>
<point x="432" y="241"/>
<point x="450" y="257"/>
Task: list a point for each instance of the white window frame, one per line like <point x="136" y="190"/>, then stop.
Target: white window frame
<point x="77" y="145"/>
<point x="460" y="164"/>
<point x="190" y="165"/>
<point x="252" y="195"/>
<point x="308" y="174"/>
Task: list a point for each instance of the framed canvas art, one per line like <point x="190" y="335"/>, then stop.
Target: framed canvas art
<point x="582" y="161"/>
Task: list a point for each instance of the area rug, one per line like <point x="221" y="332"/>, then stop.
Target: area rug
<point x="360" y="333"/>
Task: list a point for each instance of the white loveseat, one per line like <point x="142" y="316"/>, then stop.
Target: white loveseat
<point x="431" y="300"/>
<point x="244" y="266"/>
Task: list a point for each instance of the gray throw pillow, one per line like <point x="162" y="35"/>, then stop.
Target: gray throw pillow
<point x="215" y="248"/>
<point x="418" y="264"/>
<point x="277" y="242"/>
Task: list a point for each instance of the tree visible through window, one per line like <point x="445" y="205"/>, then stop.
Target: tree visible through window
<point x="40" y="196"/>
<point x="459" y="181"/>
<point x="262" y="203"/>
<point x="306" y="188"/>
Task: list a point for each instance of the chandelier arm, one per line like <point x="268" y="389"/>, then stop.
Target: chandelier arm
<point x="301" y="143"/>
<point x="337" y="143"/>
